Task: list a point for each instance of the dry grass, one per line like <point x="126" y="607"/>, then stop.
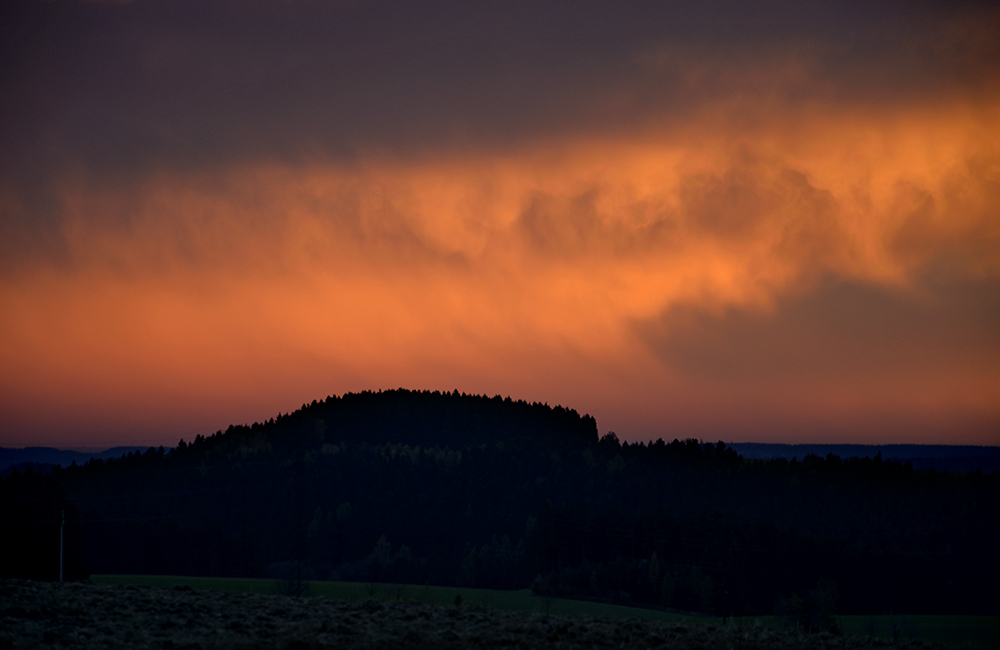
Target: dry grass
<point x="36" y="614"/>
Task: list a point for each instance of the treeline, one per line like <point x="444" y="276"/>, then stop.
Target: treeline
<point x="447" y="488"/>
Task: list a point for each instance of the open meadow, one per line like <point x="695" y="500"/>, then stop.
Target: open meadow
<point x="81" y="615"/>
<point x="952" y="631"/>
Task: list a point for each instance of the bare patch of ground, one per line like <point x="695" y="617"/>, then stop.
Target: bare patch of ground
<point x="80" y="615"/>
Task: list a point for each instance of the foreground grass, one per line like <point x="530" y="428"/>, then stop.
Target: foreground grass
<point x="37" y="614"/>
<point x="974" y="631"/>
<point x="950" y="630"/>
<point x="961" y="631"/>
<point x="519" y="600"/>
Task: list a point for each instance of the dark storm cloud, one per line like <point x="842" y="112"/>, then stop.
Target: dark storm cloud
<point x="120" y="86"/>
<point x="839" y="331"/>
<point x="110" y="91"/>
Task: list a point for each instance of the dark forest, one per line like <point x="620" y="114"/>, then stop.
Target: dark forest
<point x="449" y="488"/>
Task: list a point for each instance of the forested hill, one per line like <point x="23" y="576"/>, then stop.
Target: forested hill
<point x="446" y="488"/>
<point x="425" y="418"/>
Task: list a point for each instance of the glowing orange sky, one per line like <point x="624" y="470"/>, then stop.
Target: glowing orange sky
<point x="763" y="268"/>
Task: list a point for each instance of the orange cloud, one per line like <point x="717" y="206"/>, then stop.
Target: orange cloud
<point x="660" y="280"/>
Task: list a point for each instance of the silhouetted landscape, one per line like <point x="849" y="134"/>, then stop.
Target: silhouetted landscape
<point x="454" y="489"/>
<point x="710" y="227"/>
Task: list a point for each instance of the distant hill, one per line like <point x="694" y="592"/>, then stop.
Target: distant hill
<point x="950" y="458"/>
<point x="45" y="458"/>
<point x="427" y="418"/>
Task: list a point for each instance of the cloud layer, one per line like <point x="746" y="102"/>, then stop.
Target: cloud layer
<point x="695" y="221"/>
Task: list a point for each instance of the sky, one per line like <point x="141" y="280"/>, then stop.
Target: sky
<point x="774" y="223"/>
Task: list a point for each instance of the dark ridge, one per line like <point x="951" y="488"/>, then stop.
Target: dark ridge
<point x="949" y="458"/>
<point x="45" y="458"/>
<point x="41" y="468"/>
<point x="424" y="418"/>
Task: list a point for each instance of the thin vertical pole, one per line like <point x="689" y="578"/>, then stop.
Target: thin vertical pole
<point x="62" y="525"/>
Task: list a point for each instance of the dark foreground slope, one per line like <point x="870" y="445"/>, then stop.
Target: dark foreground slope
<point x="34" y="614"/>
<point x="443" y="488"/>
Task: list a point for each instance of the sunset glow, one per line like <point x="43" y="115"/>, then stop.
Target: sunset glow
<point x="780" y="257"/>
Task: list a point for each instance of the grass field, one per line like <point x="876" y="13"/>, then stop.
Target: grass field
<point x="961" y="631"/>
<point x="977" y="631"/>
<point x="519" y="600"/>
<point x="951" y="630"/>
